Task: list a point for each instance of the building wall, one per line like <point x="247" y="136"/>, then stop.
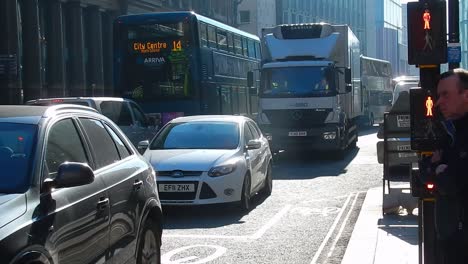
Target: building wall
<point x="55" y="48"/>
<point x="262" y="15"/>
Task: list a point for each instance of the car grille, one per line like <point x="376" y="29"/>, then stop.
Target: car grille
<point x="178" y="195"/>
<point x="297" y="118"/>
<point x="181" y="173"/>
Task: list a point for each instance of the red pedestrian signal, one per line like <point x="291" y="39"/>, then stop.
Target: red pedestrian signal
<point x="427" y="33"/>
<point x="427" y="19"/>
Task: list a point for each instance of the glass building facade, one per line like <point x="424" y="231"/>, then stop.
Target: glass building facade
<point x="464" y="33"/>
<point x="386" y="39"/>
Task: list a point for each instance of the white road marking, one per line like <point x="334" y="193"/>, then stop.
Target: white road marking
<point x="343" y="224"/>
<point x="330" y="232"/>
<point x="270" y="223"/>
<point x="166" y="258"/>
<point x="254" y="236"/>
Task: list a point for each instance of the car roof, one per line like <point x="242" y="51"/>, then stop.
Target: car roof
<point x="210" y="118"/>
<point x="116" y="99"/>
<point x="32" y="114"/>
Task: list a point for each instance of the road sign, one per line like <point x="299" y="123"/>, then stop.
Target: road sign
<point x="454" y="52"/>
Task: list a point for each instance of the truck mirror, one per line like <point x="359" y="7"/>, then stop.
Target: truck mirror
<point x="250" y="79"/>
<point x="347" y="77"/>
<point x="349" y="88"/>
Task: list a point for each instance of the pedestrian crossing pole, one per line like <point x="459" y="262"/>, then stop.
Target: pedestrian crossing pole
<point x="427" y="49"/>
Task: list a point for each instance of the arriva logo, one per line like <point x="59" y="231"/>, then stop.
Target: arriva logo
<point x="153" y="61"/>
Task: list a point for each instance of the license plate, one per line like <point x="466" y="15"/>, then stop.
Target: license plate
<point x="176" y="187"/>
<point x="297" y="133"/>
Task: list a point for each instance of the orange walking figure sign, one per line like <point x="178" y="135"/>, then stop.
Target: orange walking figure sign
<point x="429" y="105"/>
<point x="427" y="19"/>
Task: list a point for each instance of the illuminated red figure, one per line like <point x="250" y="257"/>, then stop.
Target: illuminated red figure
<point x="427" y="19"/>
<point x="429" y="105"/>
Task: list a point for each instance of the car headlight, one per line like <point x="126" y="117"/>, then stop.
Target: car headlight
<point x="222" y="170"/>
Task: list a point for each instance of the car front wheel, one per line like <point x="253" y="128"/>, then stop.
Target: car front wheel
<point x="149" y="248"/>
<point x="245" y="198"/>
<point x="268" y="184"/>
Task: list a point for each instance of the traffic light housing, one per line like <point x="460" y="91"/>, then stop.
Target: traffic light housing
<point x="427" y="32"/>
<point x="427" y="131"/>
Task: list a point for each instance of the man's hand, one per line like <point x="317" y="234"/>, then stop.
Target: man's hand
<point x="441" y="168"/>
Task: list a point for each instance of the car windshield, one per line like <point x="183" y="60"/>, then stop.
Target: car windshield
<point x="16" y="152"/>
<point x="296" y="81"/>
<point x="198" y="135"/>
<point x="402" y="87"/>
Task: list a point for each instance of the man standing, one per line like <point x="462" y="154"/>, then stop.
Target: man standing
<point x="451" y="169"/>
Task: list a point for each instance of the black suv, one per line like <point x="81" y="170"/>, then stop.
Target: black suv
<point x="73" y="189"/>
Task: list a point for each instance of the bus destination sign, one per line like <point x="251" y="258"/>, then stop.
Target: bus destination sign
<point x="156" y="46"/>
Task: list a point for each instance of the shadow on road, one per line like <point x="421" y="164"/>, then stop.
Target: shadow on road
<point x="364" y="131"/>
<point x="206" y="216"/>
<point x="309" y="165"/>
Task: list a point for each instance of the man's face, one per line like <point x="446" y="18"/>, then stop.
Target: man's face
<point x="452" y="102"/>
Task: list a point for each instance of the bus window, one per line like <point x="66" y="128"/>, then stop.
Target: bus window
<point x="226" y="107"/>
<point x="258" y="54"/>
<point x="222" y="40"/>
<point x="212" y="37"/>
<point x="251" y="48"/>
<point x="203" y="37"/>
<point x="244" y="47"/>
<point x="243" y="100"/>
<point x="238" y="44"/>
<point x="230" y="39"/>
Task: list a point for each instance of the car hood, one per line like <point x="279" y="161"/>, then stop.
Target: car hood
<point x="12" y="206"/>
<point x="187" y="159"/>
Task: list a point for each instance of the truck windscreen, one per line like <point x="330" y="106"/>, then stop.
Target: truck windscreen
<point x="296" y="82"/>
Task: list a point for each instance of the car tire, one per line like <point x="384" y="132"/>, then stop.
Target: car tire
<point x="268" y="184"/>
<point x="149" y="246"/>
<point x="245" y="202"/>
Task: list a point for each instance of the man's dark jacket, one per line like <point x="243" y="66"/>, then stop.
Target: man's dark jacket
<point x="452" y="185"/>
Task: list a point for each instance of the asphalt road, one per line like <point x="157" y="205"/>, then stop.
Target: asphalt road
<point x="308" y="218"/>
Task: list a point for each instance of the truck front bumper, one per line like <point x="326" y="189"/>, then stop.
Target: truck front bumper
<point x="327" y="137"/>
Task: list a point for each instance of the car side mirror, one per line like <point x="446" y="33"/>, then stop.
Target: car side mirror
<point x="143" y="145"/>
<point x="71" y="174"/>
<point x="253" y="144"/>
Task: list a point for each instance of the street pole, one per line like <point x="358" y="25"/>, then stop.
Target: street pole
<point x="454" y="29"/>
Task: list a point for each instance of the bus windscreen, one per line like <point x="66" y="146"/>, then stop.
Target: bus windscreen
<point x="156" y="60"/>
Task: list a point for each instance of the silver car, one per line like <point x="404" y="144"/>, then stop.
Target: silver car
<point x="209" y="160"/>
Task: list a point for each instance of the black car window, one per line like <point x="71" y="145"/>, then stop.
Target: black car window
<point x="198" y="135"/>
<point x="139" y="116"/>
<point x="121" y="147"/>
<point x="254" y="125"/>
<point x="254" y="131"/>
<point x="101" y="142"/>
<point x="63" y="144"/>
<point x="247" y="134"/>
<point x="17" y="143"/>
<point x="117" y="112"/>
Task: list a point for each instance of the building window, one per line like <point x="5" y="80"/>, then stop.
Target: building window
<point x="244" y="17"/>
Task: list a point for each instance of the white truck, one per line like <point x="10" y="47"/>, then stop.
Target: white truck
<point x="310" y="95"/>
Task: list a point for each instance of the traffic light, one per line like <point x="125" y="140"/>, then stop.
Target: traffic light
<point x="427" y="131"/>
<point x="427" y="33"/>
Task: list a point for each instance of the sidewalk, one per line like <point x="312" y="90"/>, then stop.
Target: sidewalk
<point x="378" y="239"/>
